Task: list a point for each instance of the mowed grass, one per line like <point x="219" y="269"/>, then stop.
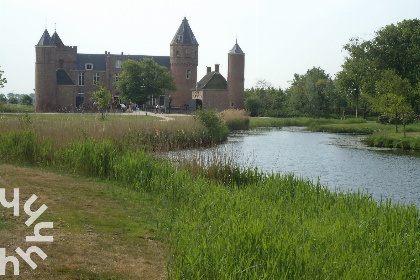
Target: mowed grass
<point x="101" y="230"/>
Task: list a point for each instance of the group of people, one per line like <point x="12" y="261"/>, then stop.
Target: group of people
<point x="160" y="109"/>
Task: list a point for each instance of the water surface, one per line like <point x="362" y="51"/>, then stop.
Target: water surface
<point x="338" y="161"/>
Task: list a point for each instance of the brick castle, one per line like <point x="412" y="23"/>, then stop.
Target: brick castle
<point x="64" y="79"/>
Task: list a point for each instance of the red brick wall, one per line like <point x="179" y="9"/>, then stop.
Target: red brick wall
<point x="183" y="58"/>
<point x="215" y="99"/>
<point x="66" y="98"/>
<point x="45" y="79"/>
<point x="236" y="78"/>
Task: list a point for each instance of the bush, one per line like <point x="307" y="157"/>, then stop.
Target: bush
<point x="216" y="127"/>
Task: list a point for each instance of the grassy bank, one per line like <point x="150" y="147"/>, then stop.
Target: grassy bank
<point x="251" y="225"/>
<point x="101" y="229"/>
<point x="381" y="135"/>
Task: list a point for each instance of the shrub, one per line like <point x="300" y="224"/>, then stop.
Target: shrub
<point x="217" y="129"/>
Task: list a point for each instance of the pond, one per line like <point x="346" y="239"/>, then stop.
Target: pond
<point x="336" y="160"/>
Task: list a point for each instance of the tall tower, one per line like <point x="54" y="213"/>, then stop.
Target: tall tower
<point x="236" y="77"/>
<point x="184" y="61"/>
<point x="45" y="74"/>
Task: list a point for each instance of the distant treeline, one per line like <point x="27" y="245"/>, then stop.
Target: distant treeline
<point x="380" y="77"/>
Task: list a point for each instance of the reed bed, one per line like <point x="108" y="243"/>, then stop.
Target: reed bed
<point x="236" y="119"/>
<point x="134" y="131"/>
<point x="262" y="226"/>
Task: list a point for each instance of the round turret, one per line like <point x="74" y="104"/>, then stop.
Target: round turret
<point x="236" y="77"/>
<point x="45" y="77"/>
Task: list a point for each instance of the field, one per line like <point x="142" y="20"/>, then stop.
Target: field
<point x="212" y="222"/>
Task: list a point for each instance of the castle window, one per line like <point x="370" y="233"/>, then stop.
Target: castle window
<point x="177" y="53"/>
<point x="117" y="78"/>
<point x="231" y="105"/>
<point x="88" y="66"/>
<point x="81" y="80"/>
<point x="118" y="64"/>
<point x="188" y="74"/>
<point x="81" y="92"/>
<point x="95" y="78"/>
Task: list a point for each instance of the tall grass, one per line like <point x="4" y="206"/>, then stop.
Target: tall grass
<point x="146" y="132"/>
<point x="236" y="119"/>
<point x="267" y="226"/>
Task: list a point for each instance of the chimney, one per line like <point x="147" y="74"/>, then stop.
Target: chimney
<point x="122" y="53"/>
<point x="216" y="68"/>
<point x="208" y="69"/>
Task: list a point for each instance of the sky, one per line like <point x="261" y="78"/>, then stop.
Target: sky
<point x="279" y="38"/>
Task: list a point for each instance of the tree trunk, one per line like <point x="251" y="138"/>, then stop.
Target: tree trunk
<point x="357" y="103"/>
<point x="396" y="122"/>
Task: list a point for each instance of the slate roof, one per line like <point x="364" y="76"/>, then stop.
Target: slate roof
<point x="57" y="40"/>
<point x="98" y="61"/>
<point x="161" y="60"/>
<point x="236" y="49"/>
<point x="46" y="39"/>
<point x="184" y="35"/>
<point x="212" y="80"/>
<point x="63" y="78"/>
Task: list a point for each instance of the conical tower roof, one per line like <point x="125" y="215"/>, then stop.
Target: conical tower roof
<point x="236" y="49"/>
<point x="57" y="40"/>
<point x="46" y="40"/>
<point x="184" y="35"/>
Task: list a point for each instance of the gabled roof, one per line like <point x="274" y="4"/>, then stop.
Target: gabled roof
<point x="184" y="35"/>
<point x="213" y="80"/>
<point x="57" y="40"/>
<point x="236" y="49"/>
<point x="63" y="78"/>
<point x="46" y="39"/>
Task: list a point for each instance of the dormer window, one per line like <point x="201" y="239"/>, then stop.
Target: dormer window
<point x="89" y="66"/>
<point x="118" y="64"/>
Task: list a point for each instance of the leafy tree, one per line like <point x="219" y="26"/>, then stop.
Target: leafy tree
<point x="311" y="94"/>
<point x="393" y="98"/>
<point x="3" y="98"/>
<point x="103" y="97"/>
<point x="265" y="100"/>
<point x="142" y="80"/>
<point x="13" y="100"/>
<point x="25" y="100"/>
<point x="394" y="47"/>
<point x="2" y="80"/>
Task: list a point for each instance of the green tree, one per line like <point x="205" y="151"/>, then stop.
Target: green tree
<point x="394" y="47"/>
<point x="3" y="98"/>
<point x="13" y="100"/>
<point x="393" y="95"/>
<point x="102" y="97"/>
<point x="312" y="94"/>
<point x="2" y="80"/>
<point x="142" y="80"/>
<point x="25" y="100"/>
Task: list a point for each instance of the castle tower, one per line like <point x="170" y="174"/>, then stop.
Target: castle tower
<point x="184" y="61"/>
<point x="45" y="74"/>
<point x="236" y="77"/>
